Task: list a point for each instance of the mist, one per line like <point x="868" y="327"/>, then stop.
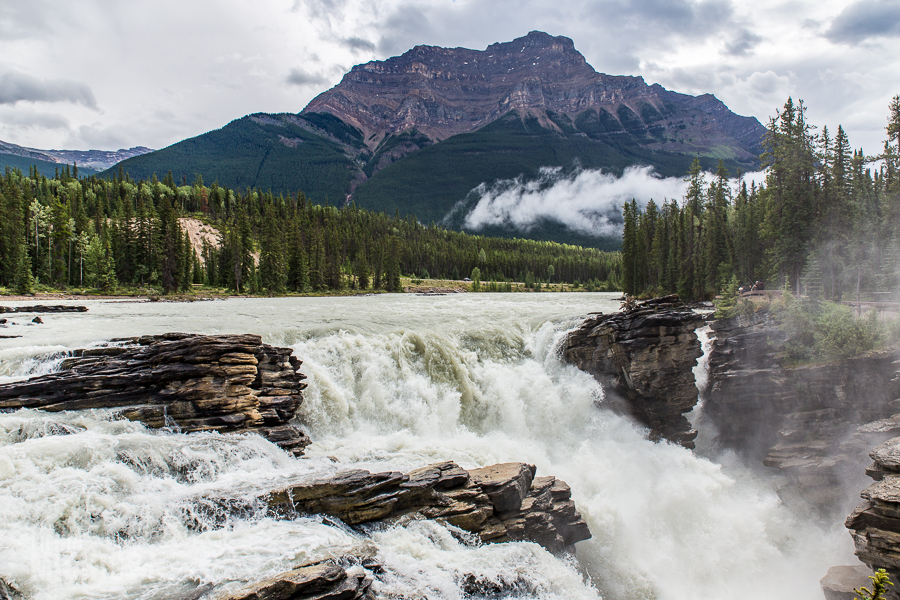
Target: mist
<point x="588" y="201"/>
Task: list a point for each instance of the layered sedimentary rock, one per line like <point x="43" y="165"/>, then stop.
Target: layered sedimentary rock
<point x="644" y="356"/>
<point x="814" y="423"/>
<point x="338" y="579"/>
<point x="498" y="503"/>
<point x="875" y="524"/>
<point x="228" y="383"/>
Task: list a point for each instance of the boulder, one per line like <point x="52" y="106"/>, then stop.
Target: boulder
<point x="841" y="582"/>
<point x="324" y="581"/>
<point x="189" y="382"/>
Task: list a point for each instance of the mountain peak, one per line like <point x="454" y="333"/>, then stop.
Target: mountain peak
<point x="441" y="92"/>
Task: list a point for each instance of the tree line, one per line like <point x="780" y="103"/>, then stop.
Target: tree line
<point x="70" y="231"/>
<point x="824" y="223"/>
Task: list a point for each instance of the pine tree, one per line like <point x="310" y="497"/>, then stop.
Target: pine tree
<point x="24" y="278"/>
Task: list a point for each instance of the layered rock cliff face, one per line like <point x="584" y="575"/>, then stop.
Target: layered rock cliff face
<point x="440" y="92"/>
<point x="644" y="357"/>
<point x="875" y="524"/>
<point x="228" y="383"/>
<point x="814" y="423"/>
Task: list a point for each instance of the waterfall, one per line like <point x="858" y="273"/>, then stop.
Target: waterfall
<point x="101" y="508"/>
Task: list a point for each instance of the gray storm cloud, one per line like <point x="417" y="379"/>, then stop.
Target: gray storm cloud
<point x="587" y="201"/>
<point x="20" y="87"/>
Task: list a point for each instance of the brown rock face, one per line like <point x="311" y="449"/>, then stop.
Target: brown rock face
<point x="875" y="524"/>
<point x="644" y="357"/>
<point x="814" y="423"/>
<point x="840" y="582"/>
<point x="498" y="503"/>
<point x="323" y="581"/>
<point x="192" y="382"/>
<point x="440" y="92"/>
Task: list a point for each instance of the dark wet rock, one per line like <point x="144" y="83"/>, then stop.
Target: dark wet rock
<point x="644" y="357"/>
<point x="498" y="503"/>
<point x="40" y="308"/>
<point x="840" y="582"/>
<point x="8" y="592"/>
<point x="323" y="581"/>
<point x="228" y="383"/>
<point x="482" y="587"/>
<point x="814" y="423"/>
<point x="37" y="321"/>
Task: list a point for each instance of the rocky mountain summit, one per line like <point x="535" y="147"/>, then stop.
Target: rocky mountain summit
<point x="441" y="92"/>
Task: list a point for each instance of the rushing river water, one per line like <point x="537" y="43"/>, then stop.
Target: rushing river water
<point x="396" y="382"/>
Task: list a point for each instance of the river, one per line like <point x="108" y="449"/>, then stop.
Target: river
<point x="395" y="382"/>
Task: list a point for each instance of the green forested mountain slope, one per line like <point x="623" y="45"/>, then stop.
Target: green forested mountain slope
<point x="280" y="153"/>
<point x="430" y="182"/>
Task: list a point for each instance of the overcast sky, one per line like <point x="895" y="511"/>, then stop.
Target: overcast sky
<point x="106" y="74"/>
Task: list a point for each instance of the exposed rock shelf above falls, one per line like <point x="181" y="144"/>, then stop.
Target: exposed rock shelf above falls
<point x="228" y="383"/>
<point x="644" y="357"/>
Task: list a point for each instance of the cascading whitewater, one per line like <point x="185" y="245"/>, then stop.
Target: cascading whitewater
<point x="105" y="508"/>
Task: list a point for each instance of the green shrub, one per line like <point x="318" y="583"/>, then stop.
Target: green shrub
<point x="880" y="581"/>
<point x="826" y="330"/>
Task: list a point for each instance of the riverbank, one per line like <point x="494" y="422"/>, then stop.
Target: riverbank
<point x="408" y="285"/>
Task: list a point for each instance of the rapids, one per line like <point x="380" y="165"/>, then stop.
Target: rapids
<point x="92" y="507"/>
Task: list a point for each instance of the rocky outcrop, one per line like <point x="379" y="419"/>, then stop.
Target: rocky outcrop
<point x="228" y="383"/>
<point x="814" y="423"/>
<point x="40" y="308"/>
<point x="644" y="357"/>
<point x="440" y="92"/>
<point x="498" y="503"/>
<point x="875" y="524"/>
<point x="338" y="579"/>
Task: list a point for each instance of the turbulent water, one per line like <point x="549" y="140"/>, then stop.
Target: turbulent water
<point x="93" y="507"/>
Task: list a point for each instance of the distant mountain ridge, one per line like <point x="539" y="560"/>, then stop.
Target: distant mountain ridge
<point x="92" y="160"/>
<point x="417" y="133"/>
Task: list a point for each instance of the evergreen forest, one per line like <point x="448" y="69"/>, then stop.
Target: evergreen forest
<point x="69" y="232"/>
<point x="823" y="224"/>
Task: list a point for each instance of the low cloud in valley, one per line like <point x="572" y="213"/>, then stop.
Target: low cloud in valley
<point x="587" y="201"/>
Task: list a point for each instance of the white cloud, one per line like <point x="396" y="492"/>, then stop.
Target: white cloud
<point x="218" y="61"/>
<point x="587" y="201"/>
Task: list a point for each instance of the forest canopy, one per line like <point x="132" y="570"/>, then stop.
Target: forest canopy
<point x="823" y="224"/>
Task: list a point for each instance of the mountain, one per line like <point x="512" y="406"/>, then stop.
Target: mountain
<point x="418" y="132"/>
<point x="88" y="161"/>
